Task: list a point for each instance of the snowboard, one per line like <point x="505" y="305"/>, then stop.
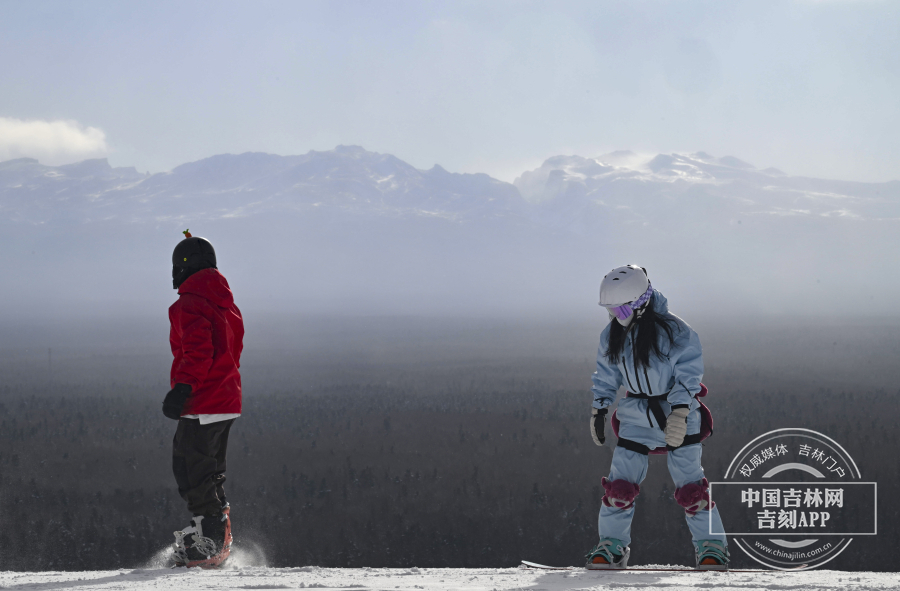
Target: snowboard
<point x="535" y="565"/>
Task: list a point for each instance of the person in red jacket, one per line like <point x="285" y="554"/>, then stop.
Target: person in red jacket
<point x="206" y="336"/>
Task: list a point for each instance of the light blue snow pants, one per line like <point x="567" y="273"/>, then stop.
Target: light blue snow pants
<point x="684" y="467"/>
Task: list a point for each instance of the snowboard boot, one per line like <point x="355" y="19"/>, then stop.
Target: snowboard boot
<point x="711" y="555"/>
<point x="206" y="543"/>
<point x="609" y="553"/>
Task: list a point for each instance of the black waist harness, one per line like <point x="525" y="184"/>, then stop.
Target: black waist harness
<point x="654" y="406"/>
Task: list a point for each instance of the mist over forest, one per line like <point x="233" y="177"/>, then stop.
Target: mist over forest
<point x="419" y="346"/>
<point x="348" y="231"/>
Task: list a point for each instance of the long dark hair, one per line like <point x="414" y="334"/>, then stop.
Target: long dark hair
<point x="647" y="341"/>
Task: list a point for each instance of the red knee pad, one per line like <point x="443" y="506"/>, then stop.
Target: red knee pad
<point x="694" y="497"/>
<point x="620" y="494"/>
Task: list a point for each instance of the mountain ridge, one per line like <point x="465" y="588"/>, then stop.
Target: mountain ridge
<point x="711" y="229"/>
<point x="353" y="179"/>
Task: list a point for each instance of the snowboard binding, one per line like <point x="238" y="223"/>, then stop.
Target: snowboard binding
<point x="206" y="543"/>
<point x="711" y="555"/>
<point x="609" y="553"/>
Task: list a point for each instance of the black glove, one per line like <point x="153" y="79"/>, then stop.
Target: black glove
<point x="598" y="425"/>
<point x="175" y="399"/>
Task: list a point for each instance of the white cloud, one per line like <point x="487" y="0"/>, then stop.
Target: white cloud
<point x="51" y="142"/>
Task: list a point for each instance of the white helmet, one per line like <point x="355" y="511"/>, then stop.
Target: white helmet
<point x="623" y="285"/>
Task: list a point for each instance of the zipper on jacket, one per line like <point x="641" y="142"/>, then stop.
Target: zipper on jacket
<point x="627" y="377"/>
<point x="637" y="373"/>
<point x="625" y="364"/>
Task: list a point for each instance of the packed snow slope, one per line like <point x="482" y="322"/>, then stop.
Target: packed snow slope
<point x="260" y="577"/>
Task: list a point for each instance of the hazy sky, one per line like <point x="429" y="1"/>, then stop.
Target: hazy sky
<point x="808" y="86"/>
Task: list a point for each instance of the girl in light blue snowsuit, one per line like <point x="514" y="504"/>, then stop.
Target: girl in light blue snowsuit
<point x="657" y="357"/>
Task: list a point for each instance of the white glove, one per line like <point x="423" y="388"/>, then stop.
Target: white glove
<point x="676" y="426"/>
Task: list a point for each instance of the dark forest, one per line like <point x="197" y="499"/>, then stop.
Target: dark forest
<point x="411" y="443"/>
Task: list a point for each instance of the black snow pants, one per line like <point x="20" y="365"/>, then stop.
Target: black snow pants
<point x="198" y="461"/>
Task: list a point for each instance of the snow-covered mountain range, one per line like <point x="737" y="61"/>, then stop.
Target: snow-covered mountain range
<point x="619" y="187"/>
<point x="347" y="179"/>
<point x="739" y="186"/>
<point x="338" y="220"/>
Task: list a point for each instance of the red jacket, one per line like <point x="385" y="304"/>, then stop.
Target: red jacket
<point x="207" y="338"/>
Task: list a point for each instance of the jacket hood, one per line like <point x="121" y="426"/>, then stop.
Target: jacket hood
<point x="211" y="285"/>
<point x="659" y="302"/>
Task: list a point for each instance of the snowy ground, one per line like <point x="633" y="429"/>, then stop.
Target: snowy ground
<point x="261" y="577"/>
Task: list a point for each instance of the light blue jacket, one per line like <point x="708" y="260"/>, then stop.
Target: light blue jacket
<point x="678" y="374"/>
